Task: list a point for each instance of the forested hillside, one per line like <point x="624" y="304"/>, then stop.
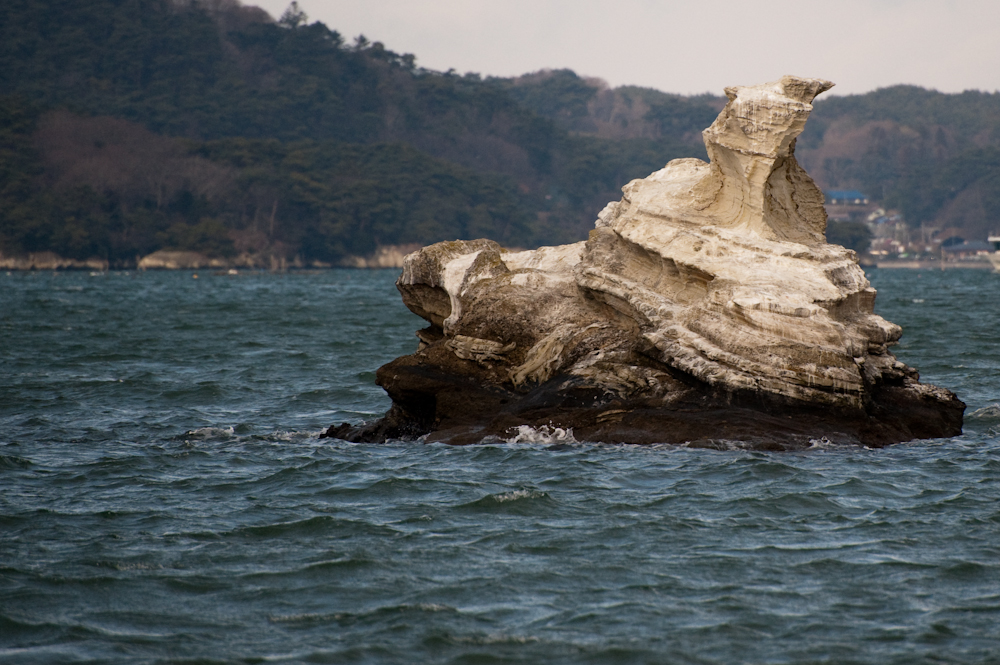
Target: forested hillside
<point x="933" y="156"/>
<point x="133" y="125"/>
<point x="128" y="126"/>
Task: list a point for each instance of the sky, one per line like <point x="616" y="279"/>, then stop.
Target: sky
<point x="688" y="47"/>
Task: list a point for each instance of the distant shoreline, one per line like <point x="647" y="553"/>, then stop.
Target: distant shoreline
<point x="930" y="265"/>
<point x="387" y="256"/>
<point x="384" y="257"/>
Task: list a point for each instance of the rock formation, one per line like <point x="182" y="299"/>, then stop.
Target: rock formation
<point x="706" y="306"/>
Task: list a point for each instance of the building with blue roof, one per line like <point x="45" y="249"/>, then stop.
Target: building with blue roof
<point x="846" y="197"/>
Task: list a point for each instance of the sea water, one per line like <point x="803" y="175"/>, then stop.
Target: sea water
<point x="164" y="498"/>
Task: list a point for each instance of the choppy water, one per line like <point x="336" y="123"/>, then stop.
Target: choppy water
<point x="164" y="498"/>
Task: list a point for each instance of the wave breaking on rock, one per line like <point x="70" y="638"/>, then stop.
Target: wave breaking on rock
<point x="706" y="305"/>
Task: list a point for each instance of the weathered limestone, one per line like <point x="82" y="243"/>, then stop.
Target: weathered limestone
<point x="705" y="305"/>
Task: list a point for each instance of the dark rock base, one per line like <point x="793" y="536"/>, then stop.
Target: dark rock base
<point x="432" y="400"/>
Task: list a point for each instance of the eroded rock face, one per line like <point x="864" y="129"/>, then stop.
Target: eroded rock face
<point x="706" y="305"/>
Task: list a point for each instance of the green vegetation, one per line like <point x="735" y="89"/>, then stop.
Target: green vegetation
<point x="352" y="198"/>
<point x="933" y="156"/>
<point x="923" y="191"/>
<point x="147" y="124"/>
<point x="559" y="95"/>
<point x="109" y="188"/>
<point x="128" y="126"/>
<point x="853" y="235"/>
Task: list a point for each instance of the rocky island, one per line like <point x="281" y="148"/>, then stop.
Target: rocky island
<point x="706" y="306"/>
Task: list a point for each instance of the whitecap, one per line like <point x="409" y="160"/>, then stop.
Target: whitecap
<point x="210" y="432"/>
<point x="544" y="434"/>
<point x="516" y="495"/>
<point x="991" y="412"/>
<point x="717" y="444"/>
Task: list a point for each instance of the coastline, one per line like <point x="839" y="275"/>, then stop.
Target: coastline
<point x="928" y="265"/>
<point x="389" y="256"/>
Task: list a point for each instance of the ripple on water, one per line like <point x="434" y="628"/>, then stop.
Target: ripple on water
<point x="165" y="499"/>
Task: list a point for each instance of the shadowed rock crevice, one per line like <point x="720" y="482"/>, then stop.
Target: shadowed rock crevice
<point x="706" y="305"/>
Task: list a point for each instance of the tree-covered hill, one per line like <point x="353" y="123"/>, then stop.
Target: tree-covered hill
<point x="934" y="156"/>
<point x="128" y="126"/>
<point x="590" y="107"/>
<point x="340" y="146"/>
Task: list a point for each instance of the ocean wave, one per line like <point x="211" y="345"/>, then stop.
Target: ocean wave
<point x="546" y="434"/>
<point x="353" y="617"/>
<point x="517" y="495"/>
<point x="127" y="566"/>
<point x="485" y="640"/>
<point x="987" y="413"/>
<point x="14" y="462"/>
<point x="143" y="523"/>
<point x="342" y="563"/>
<point x="823" y="443"/>
<point x="719" y="444"/>
<point x="205" y="433"/>
<point x="315" y="526"/>
<point x="520" y="501"/>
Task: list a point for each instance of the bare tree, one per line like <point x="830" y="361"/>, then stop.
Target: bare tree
<point x="122" y="157"/>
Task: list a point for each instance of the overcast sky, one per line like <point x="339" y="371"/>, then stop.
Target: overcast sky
<point x="688" y="47"/>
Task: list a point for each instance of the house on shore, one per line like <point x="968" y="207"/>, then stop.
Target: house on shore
<point x="847" y="205"/>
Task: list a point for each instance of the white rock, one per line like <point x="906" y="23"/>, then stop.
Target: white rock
<point x="719" y="272"/>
